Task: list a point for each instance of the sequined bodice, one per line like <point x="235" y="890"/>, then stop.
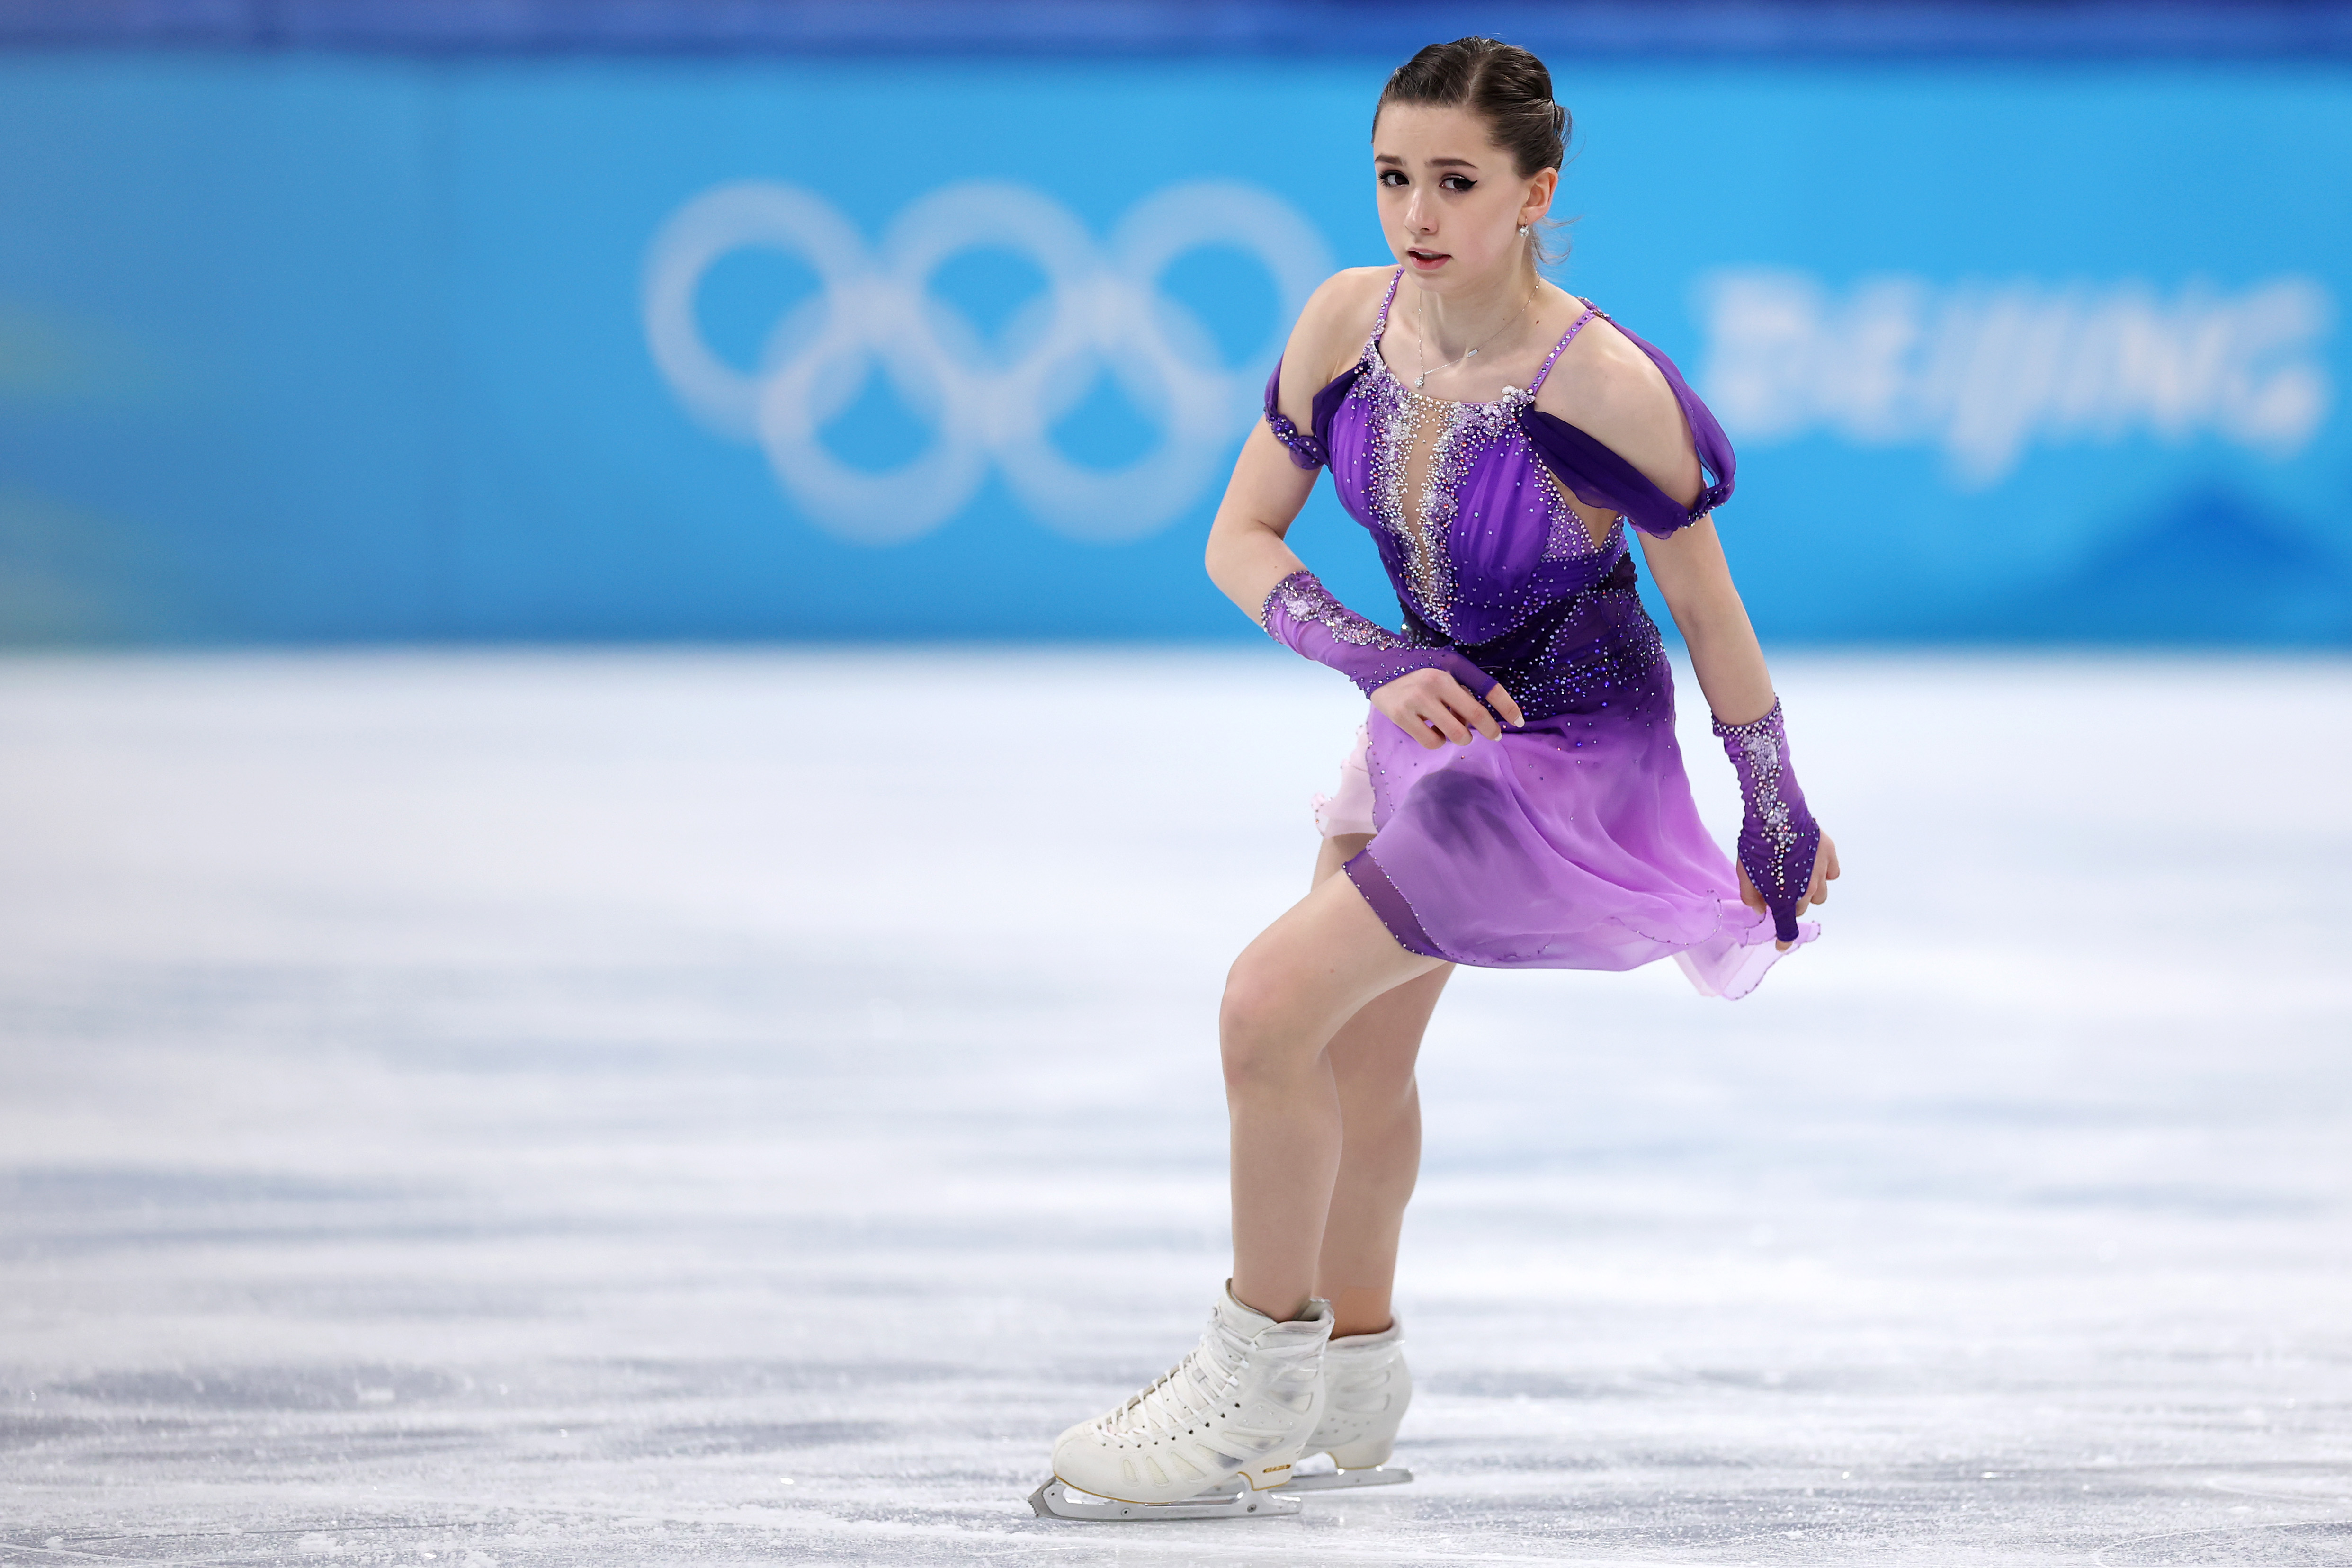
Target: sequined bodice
<point x="1468" y="504"/>
<point x="1476" y="531"/>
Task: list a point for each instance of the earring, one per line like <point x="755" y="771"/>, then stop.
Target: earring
<point x="1523" y="231"/>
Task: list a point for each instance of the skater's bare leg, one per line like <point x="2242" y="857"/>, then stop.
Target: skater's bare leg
<point x="1285" y="1000"/>
<point x="1373" y="1058"/>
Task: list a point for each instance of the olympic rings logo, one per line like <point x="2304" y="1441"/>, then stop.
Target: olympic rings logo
<point x="1102" y="313"/>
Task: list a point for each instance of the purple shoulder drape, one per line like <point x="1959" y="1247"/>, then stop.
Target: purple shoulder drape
<point x="1595" y="473"/>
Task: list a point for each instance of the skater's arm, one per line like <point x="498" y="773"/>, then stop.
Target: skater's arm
<point x="1612" y="391"/>
<point x="1430" y="693"/>
<point x="1696" y="582"/>
<point x="1246" y="554"/>
<point x="1627" y="404"/>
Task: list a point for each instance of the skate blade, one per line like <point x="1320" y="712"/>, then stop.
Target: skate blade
<point x="1058" y="1499"/>
<point x="1346" y="1480"/>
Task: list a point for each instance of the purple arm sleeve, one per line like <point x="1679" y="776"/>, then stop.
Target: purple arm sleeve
<point x="1302" y="615"/>
<point x="1777" y="838"/>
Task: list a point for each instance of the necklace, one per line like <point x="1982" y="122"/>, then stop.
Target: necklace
<point x="1421" y="337"/>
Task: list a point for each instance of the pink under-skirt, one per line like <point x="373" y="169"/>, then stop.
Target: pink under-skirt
<point x="1571" y="844"/>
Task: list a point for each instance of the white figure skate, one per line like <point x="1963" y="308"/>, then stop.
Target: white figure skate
<point x="1211" y="1439"/>
<point x="1367" y="1388"/>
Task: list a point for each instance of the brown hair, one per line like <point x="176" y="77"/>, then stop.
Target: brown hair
<point x="1503" y="85"/>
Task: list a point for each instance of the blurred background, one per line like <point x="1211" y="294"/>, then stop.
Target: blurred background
<point x="338" y="320"/>
<point x="623" y="804"/>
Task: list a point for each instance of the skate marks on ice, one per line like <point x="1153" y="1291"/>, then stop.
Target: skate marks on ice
<point x="383" y="1176"/>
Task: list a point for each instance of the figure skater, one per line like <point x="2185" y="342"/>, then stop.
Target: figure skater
<point x="1515" y="798"/>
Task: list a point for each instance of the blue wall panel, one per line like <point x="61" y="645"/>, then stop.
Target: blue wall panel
<point x="302" y="347"/>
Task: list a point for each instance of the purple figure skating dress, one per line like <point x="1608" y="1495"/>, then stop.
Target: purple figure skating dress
<point x="1572" y="843"/>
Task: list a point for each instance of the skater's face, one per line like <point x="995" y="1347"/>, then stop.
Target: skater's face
<point x="1451" y="203"/>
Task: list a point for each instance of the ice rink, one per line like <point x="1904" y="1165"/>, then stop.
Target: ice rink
<point x="496" y="1110"/>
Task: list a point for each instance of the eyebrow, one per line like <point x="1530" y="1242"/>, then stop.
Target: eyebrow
<point x="1435" y="163"/>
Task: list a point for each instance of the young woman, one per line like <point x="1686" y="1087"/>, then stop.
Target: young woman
<point x="1515" y="798"/>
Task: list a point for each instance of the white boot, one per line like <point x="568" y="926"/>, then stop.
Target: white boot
<point x="1367" y="1389"/>
<point x="1225" y="1423"/>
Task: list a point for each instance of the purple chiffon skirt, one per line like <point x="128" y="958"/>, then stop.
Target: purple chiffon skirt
<point x="1571" y="844"/>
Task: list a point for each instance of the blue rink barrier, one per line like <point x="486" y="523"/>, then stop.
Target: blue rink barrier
<point x="311" y="347"/>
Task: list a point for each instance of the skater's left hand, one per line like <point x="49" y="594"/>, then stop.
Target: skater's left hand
<point x="1825" y="871"/>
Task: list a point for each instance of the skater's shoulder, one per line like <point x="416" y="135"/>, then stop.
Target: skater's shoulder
<point x="1338" y="320"/>
<point x="1352" y="297"/>
<point x="1606" y="386"/>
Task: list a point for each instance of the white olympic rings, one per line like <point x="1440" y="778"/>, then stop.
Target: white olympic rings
<point x="1101" y="312"/>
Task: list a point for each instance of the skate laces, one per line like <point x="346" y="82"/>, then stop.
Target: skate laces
<point x="1189" y="1392"/>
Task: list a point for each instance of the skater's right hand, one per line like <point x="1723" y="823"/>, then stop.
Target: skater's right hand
<point x="1434" y="708"/>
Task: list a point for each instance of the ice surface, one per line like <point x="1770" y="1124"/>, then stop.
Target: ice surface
<point x="505" y="1109"/>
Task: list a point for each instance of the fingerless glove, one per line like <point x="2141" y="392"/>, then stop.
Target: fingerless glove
<point x="1302" y="615"/>
<point x="1778" y="836"/>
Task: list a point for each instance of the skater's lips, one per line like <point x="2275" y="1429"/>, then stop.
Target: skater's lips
<point x="1428" y="258"/>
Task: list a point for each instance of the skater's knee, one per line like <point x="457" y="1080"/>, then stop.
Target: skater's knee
<point x="1258" y="1031"/>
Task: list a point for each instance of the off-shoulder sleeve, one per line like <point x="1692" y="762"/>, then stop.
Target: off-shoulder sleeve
<point x="1596" y="474"/>
<point x="1305" y="449"/>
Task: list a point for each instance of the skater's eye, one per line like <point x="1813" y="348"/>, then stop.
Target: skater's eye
<point x="1457" y="182"/>
<point x="1394" y="178"/>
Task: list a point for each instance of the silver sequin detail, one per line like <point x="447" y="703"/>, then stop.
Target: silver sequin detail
<point x="1304" y="598"/>
<point x="1760" y="739"/>
<point x="1398" y="419"/>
